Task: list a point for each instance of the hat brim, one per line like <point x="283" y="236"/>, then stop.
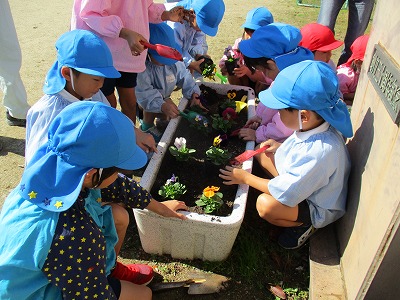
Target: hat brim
<point x="107" y="72"/>
<point x="248" y="49"/>
<point x="250" y="25"/>
<point x="137" y="160"/>
<point x="332" y="46"/>
<point x="211" y="31"/>
<point x="269" y="100"/>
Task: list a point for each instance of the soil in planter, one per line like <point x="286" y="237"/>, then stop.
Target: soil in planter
<point x="198" y="173"/>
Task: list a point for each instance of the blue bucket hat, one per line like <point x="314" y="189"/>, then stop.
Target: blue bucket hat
<point x="209" y="14"/>
<point x="83" y="51"/>
<point x="163" y="34"/>
<point x="257" y="18"/>
<point x="310" y="85"/>
<point x="84" y="135"/>
<point x="276" y="41"/>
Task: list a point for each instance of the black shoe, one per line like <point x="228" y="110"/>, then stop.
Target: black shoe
<point x="14" y="121"/>
<point x="295" y="237"/>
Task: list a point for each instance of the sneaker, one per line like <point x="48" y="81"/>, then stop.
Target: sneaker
<point x="295" y="237"/>
<point x="135" y="273"/>
<point x="14" y="121"/>
<point x="157" y="134"/>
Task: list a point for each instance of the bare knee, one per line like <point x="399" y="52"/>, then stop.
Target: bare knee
<point x="264" y="207"/>
<point x="120" y="216"/>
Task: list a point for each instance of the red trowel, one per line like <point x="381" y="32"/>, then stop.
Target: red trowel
<point x="246" y="155"/>
<point x="163" y="50"/>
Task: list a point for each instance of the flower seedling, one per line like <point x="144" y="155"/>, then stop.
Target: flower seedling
<point x="211" y="199"/>
<point x="180" y="151"/>
<point x="172" y="189"/>
<point x="207" y="67"/>
<point x="217" y="155"/>
<point x="232" y="58"/>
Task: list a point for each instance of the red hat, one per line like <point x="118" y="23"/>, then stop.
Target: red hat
<point x="358" y="48"/>
<point x="318" y="37"/>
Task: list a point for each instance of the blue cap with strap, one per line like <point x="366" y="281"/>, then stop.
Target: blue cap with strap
<point x="83" y="51"/>
<point x="277" y="41"/>
<point x="83" y="136"/>
<point x="310" y="85"/>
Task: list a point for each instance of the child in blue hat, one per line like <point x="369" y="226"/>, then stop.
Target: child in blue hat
<point x="271" y="49"/>
<point x="191" y="34"/>
<point x="312" y="166"/>
<point x="83" y="61"/>
<point x="158" y="81"/>
<point x="241" y="74"/>
<point x="55" y="242"/>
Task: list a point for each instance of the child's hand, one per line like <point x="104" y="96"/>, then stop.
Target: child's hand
<point x="273" y="145"/>
<point x="233" y="175"/>
<point x="241" y="71"/>
<point x="195" y="101"/>
<point x="173" y="206"/>
<point x="133" y="38"/>
<point x="168" y="208"/>
<point x="145" y="141"/>
<point x="176" y="14"/>
<point x="195" y="65"/>
<point x="224" y="71"/>
<point x="247" y="134"/>
<point x="253" y="122"/>
<point x="169" y="108"/>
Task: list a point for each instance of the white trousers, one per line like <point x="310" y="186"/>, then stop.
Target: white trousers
<point x="15" y="99"/>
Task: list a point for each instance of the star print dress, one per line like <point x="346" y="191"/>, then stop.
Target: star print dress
<point x="66" y="255"/>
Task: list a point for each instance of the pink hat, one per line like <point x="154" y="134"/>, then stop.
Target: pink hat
<point x="318" y="37"/>
<point x="358" y="48"/>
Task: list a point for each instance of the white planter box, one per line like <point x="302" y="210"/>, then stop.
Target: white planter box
<point x="206" y="237"/>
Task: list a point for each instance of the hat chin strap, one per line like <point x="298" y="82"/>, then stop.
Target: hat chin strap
<point x="300" y="122"/>
<point x="72" y="79"/>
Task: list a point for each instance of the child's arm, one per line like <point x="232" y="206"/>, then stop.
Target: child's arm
<point x="168" y="208"/>
<point x="190" y="89"/>
<point x="147" y="95"/>
<point x="127" y="191"/>
<point x="232" y="175"/>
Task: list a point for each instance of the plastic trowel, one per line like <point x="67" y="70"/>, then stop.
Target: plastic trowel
<point x="164" y="50"/>
<point x="198" y="284"/>
<point x="246" y="155"/>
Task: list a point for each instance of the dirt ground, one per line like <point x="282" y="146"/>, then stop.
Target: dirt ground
<point x="40" y="23"/>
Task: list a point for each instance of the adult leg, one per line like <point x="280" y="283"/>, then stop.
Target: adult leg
<point x="127" y="100"/>
<point x="328" y="12"/>
<point x="112" y="99"/>
<point x="15" y="99"/>
<point x="359" y="15"/>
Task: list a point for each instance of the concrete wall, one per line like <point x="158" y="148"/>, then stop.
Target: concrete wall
<point x="367" y="231"/>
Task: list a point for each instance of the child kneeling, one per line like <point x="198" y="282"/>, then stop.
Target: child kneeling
<point x="312" y="165"/>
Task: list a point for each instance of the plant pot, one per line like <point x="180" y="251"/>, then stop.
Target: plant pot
<point x="201" y="236"/>
<point x="208" y="62"/>
<point x="230" y="66"/>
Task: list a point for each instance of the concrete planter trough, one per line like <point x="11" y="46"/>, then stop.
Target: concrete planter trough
<point x="205" y="237"/>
